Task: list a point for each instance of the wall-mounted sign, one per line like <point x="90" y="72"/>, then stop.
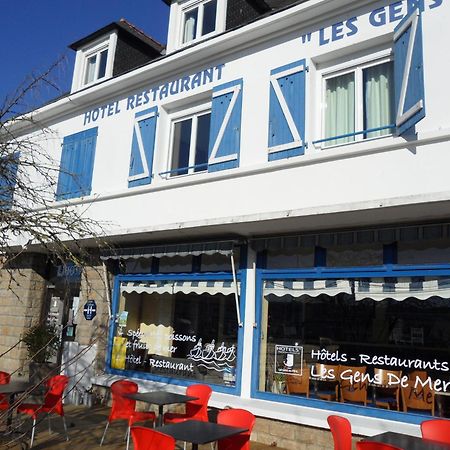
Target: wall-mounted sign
<point x="90" y="310"/>
<point x="289" y="359"/>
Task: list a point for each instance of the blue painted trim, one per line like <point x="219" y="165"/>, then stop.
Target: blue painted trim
<point x="230" y="142"/>
<point x="254" y="390"/>
<point x="182" y="277"/>
<point x="147" y="127"/>
<point x="187" y="168"/>
<point x="76" y="165"/>
<point x="415" y="87"/>
<point x="356" y="133"/>
<point x="293" y="91"/>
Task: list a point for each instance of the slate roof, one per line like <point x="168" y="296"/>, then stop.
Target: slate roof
<point x="122" y="25"/>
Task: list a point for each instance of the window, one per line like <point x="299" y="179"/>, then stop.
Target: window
<point x="190" y="141"/>
<point x="199" y="21"/>
<point x="177" y="329"/>
<point x="95" y="66"/>
<point x="77" y="165"/>
<point x="336" y="336"/>
<point x="359" y="103"/>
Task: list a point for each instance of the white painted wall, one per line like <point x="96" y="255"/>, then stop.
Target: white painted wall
<point x="353" y="177"/>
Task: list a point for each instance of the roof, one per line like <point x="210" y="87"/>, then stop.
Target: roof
<point x="266" y="4"/>
<point x="125" y="26"/>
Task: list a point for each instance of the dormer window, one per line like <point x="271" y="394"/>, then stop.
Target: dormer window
<point x="96" y="66"/>
<point x="95" y="61"/>
<point x="199" y="20"/>
<point x="191" y="21"/>
<point x="111" y="51"/>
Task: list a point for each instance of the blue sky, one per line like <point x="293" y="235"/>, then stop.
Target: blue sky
<point x="35" y="33"/>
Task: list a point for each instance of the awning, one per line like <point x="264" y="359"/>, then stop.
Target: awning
<point x="312" y="288"/>
<point x="379" y="289"/>
<point x="210" y="287"/>
<point x="170" y="250"/>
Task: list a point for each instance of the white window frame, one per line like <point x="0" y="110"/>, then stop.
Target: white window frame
<point x="83" y="54"/>
<point x="357" y="68"/>
<point x="191" y="5"/>
<point x="191" y="113"/>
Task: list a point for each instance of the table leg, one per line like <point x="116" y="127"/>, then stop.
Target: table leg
<point x="160" y="416"/>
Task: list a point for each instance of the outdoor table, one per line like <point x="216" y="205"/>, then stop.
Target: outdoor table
<point x="160" y="398"/>
<point x="11" y="389"/>
<point x="197" y="432"/>
<point x="407" y="442"/>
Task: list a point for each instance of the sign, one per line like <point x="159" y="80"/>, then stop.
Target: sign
<point x="90" y="310"/>
<point x="289" y="359"/>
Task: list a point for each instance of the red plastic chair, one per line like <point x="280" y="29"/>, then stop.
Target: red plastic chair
<point x="195" y="409"/>
<point x="148" y="439"/>
<point x="236" y="418"/>
<point x="5" y="378"/>
<point x="125" y="408"/>
<point x="436" y="430"/>
<point x="375" y="446"/>
<point x="52" y="403"/>
<point x="341" y="430"/>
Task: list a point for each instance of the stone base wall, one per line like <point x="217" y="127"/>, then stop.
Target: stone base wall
<point x="22" y="295"/>
<point x="90" y="332"/>
<point x="292" y="436"/>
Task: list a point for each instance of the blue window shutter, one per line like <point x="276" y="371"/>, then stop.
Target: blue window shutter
<point x="225" y="129"/>
<point x="77" y="165"/>
<point x="408" y="72"/>
<point x="142" y="148"/>
<point x="8" y="176"/>
<point x="287" y="111"/>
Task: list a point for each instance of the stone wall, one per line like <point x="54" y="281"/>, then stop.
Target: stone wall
<point x="291" y="436"/>
<point x="94" y="332"/>
<point x="22" y="296"/>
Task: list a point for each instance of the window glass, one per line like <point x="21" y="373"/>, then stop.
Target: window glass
<point x="102" y="64"/>
<point x="355" y="255"/>
<point x="190" y="25"/>
<point x="209" y="17"/>
<point x="290" y="258"/>
<point x="424" y="252"/>
<point x="372" y="87"/>
<point x="181" y="329"/>
<point x="190" y="144"/>
<point x="202" y="143"/>
<point x="378" y="98"/>
<point x="340" y="108"/>
<point x="181" y="146"/>
<point x="90" y="69"/>
<point x="381" y="343"/>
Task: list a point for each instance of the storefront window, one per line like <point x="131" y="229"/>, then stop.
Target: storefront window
<point x="179" y="329"/>
<point x="380" y="343"/>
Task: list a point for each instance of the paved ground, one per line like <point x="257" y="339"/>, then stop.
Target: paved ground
<point x="85" y="427"/>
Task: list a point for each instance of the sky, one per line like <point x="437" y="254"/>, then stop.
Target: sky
<point x="36" y="33"/>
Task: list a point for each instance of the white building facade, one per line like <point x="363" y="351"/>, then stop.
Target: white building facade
<point x="278" y="208"/>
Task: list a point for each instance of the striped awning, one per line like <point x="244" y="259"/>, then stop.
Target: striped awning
<point x="210" y="287"/>
<point x="400" y="289"/>
<point x="170" y="250"/>
<point x="311" y="288"/>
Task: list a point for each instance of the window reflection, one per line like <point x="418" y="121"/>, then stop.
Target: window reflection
<point x="375" y="342"/>
<point x="177" y="329"/>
